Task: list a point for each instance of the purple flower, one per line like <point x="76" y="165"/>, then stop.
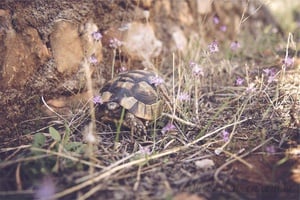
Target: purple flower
<point x="93" y="59"/>
<point x="183" y="97"/>
<point x="271" y="74"/>
<point x="168" y="127"/>
<point x="213" y="47"/>
<point x="239" y="81"/>
<point x="216" y="19"/>
<point x="223" y="28"/>
<point x="156" y="80"/>
<point x="225" y="135"/>
<point x="97" y="100"/>
<point x="97" y="35"/>
<point x="196" y="69"/>
<point x="115" y="43"/>
<point x="235" y="45"/>
<point x="144" y="150"/>
<point x="123" y="68"/>
<point x="270" y="149"/>
<point x="192" y="64"/>
<point x="46" y="189"/>
<point x="251" y="88"/>
<point x="271" y="79"/>
<point x="288" y="61"/>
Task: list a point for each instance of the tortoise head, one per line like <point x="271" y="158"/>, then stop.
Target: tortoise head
<point x="112" y="106"/>
<point x="109" y="111"/>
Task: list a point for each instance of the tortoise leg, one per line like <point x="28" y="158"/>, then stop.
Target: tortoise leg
<point x="136" y="125"/>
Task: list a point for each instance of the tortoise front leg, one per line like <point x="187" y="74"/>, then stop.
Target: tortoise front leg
<point x="135" y="124"/>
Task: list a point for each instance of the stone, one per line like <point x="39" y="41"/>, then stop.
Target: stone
<point x="204" y="6"/>
<point x="184" y="14"/>
<point x="179" y="39"/>
<point x="140" y="42"/>
<point x="66" y="46"/>
<point x="22" y="52"/>
<point x="71" y="42"/>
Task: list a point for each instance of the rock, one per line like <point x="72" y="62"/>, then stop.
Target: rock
<point x="204" y="6"/>
<point x="183" y="13"/>
<point x="146" y="4"/>
<point x="185" y="195"/>
<point x="179" y="39"/>
<point x="140" y="42"/>
<point x="21" y="52"/>
<point x="66" y="46"/>
<point x="205" y="164"/>
<point x="71" y="43"/>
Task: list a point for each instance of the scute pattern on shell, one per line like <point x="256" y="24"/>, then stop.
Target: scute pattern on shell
<point x="134" y="92"/>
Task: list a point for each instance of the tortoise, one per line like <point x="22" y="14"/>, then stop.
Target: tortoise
<point x="135" y="97"/>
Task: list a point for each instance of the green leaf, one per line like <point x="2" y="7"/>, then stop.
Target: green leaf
<point x="54" y="134"/>
<point x="66" y="136"/>
<point x="38" y="140"/>
<point x="73" y="146"/>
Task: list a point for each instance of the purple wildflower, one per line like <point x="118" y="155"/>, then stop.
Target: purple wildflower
<point x="196" y="69"/>
<point x="216" y="19"/>
<point x="288" y="62"/>
<point x="213" y="47"/>
<point x="97" y="100"/>
<point x="97" y="35"/>
<point x="270" y="149"/>
<point x="183" y="97"/>
<point x="192" y="64"/>
<point x="251" y="88"/>
<point x="115" y="43"/>
<point x="156" y="80"/>
<point x="46" y="189"/>
<point x="144" y="150"/>
<point x="93" y="59"/>
<point x="223" y="28"/>
<point x="235" y="45"/>
<point x="225" y="135"/>
<point x="123" y="68"/>
<point x="271" y="79"/>
<point x="271" y="74"/>
<point x="239" y="81"/>
<point x="168" y="127"/>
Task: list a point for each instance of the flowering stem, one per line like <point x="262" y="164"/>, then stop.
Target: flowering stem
<point x="92" y="129"/>
<point x="173" y="88"/>
<point x="113" y="64"/>
<point x="119" y="124"/>
<point x="196" y="99"/>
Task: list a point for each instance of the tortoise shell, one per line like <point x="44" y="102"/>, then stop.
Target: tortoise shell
<point x="134" y="91"/>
